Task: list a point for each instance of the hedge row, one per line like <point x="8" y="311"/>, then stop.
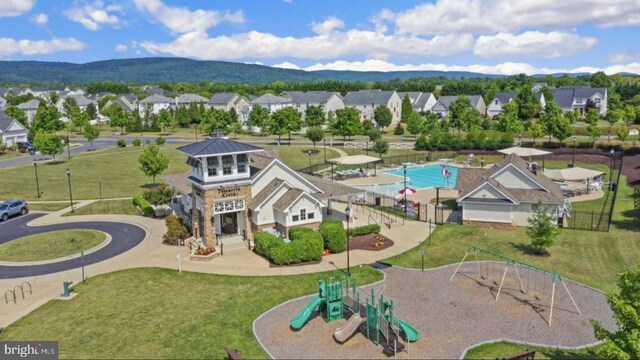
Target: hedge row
<point x="334" y="235"/>
<point x="305" y="245"/>
<point x="147" y="210"/>
<point x="364" y="230"/>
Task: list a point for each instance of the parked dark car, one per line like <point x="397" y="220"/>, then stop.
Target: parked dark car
<point x="26" y="146"/>
<point x="12" y="208"/>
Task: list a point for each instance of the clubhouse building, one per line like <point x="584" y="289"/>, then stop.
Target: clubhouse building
<point x="235" y="189"/>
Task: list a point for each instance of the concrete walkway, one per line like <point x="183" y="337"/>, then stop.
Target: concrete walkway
<point x="152" y="253"/>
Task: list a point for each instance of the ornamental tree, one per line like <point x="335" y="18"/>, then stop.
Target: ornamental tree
<point x="91" y="133"/>
<point x="315" y="135"/>
<point x="542" y="230"/>
<point x="407" y="109"/>
<point x="153" y="162"/>
<point x="347" y="123"/>
<point x="382" y="115"/>
<point x="48" y="144"/>
<point x="314" y="116"/>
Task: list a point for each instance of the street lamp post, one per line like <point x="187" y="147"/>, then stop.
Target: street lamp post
<point x="324" y="144"/>
<point x="520" y="139"/>
<point x="35" y="167"/>
<point x="347" y="212"/>
<point x="612" y="152"/>
<point x="68" y="147"/>
<point x="309" y="152"/>
<point x="404" y="170"/>
<point x="573" y="157"/>
<point x="366" y="146"/>
<point x="70" y="194"/>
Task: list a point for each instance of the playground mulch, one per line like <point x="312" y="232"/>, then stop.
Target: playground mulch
<point x="370" y="242"/>
<point x="450" y="316"/>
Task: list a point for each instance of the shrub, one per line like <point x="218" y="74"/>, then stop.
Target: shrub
<point x="160" y="194"/>
<point x="334" y="235"/>
<point x="144" y="206"/>
<point x="160" y="140"/>
<point x="176" y="230"/>
<point x="364" y="230"/>
<point x="305" y="245"/>
<point x="399" y="130"/>
<point x="136" y="142"/>
<point x="121" y="143"/>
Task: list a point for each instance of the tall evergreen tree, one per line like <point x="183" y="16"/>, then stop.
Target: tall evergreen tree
<point x="407" y="109"/>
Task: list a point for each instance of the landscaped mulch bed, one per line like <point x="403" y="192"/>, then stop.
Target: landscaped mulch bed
<point x="371" y="242"/>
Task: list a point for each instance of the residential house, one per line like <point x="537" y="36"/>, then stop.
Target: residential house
<point x="421" y="102"/>
<point x="509" y="192"/>
<point x="188" y="99"/>
<point x="155" y="102"/>
<point x="228" y="101"/>
<point x="502" y="98"/>
<point x="328" y="101"/>
<point x="3" y="103"/>
<point x="11" y="130"/>
<point x="235" y="189"/>
<point x="580" y="98"/>
<point x="366" y="101"/>
<point x="82" y="101"/>
<point x="30" y="108"/>
<point x="442" y="106"/>
<point x="272" y="102"/>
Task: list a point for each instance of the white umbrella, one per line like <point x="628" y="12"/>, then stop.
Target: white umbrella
<point x="523" y="152"/>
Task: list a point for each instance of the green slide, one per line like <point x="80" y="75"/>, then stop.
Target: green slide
<point x="412" y="334"/>
<point x="298" y="322"/>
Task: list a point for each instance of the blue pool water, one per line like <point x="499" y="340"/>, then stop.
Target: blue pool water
<point x="422" y="177"/>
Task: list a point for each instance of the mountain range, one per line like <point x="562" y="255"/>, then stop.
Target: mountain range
<point x="167" y="69"/>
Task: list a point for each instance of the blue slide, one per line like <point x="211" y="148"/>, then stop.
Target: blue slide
<point x="298" y="322"/>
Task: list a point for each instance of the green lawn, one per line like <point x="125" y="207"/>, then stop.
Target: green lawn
<point x="52" y="206"/>
<point x="590" y="257"/>
<point x="297" y="157"/>
<point x="50" y="245"/>
<point x="449" y="202"/>
<point x="124" y="207"/>
<point x="160" y="313"/>
<point x="503" y="349"/>
<point x="115" y="170"/>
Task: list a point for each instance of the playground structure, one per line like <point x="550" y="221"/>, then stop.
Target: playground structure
<point x="534" y="276"/>
<point x="376" y="319"/>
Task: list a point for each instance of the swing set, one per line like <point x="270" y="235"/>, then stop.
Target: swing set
<point x="492" y="269"/>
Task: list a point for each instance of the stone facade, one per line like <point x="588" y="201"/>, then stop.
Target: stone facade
<point x="212" y="196"/>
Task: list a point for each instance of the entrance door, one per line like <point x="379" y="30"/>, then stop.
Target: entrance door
<point x="230" y="223"/>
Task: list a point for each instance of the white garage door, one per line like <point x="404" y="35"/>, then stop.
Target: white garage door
<point x="487" y="212"/>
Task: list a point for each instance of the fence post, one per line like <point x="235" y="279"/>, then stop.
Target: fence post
<point x="592" y="220"/>
<point x="574" y="218"/>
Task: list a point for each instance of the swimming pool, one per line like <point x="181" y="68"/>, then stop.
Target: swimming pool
<point x="422" y="177"/>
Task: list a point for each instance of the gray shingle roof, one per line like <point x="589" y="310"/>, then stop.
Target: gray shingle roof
<point x="447" y="100"/>
<point x="554" y="193"/>
<point x="367" y="97"/>
<point x="315" y="97"/>
<point x="287" y="199"/>
<point x="563" y="96"/>
<point x="222" y="98"/>
<point x="190" y="98"/>
<point x="217" y="146"/>
<point x="157" y="99"/>
<point x="268" y="99"/>
<point x="506" y="97"/>
<point x="265" y="193"/>
<point x="5" y="121"/>
<point x="29" y="105"/>
<point x="82" y="100"/>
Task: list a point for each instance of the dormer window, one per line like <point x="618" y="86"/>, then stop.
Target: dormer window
<point x="242" y="160"/>
<point x="212" y="166"/>
<point x="227" y="165"/>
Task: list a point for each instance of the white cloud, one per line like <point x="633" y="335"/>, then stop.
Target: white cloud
<point x="41" y="19"/>
<point x="182" y="20"/>
<point x="532" y="43"/>
<point x="625" y="56"/>
<point x="93" y="15"/>
<point x="15" y="7"/>
<point x="256" y="44"/>
<point x="9" y="46"/>
<point x="330" y="24"/>
<point x="120" y="48"/>
<point x="286" y="65"/>
<point x="488" y="16"/>
<point x="506" y="68"/>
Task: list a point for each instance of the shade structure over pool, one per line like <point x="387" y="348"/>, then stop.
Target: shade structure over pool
<point x="571" y="174"/>
<point x="354" y="160"/>
<point x="523" y="152"/>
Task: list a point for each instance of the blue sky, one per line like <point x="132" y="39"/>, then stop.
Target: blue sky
<point x="491" y="36"/>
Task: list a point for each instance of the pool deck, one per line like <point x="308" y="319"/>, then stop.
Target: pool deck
<point x="380" y="179"/>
